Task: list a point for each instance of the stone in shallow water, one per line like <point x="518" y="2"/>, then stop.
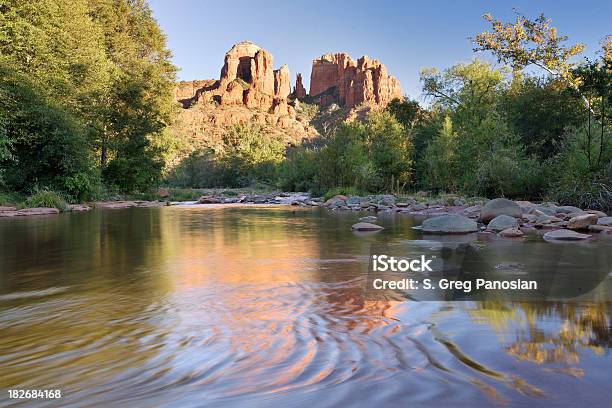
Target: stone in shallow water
<point x="512" y="233"/>
<point x="565" y="235"/>
<point x="369" y="218"/>
<point x="502" y="222"/>
<point x="366" y="226"/>
<point x="449" y="224"/>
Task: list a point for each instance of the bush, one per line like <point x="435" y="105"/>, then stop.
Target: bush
<point x="594" y="195"/>
<point x="46" y="198"/>
<point x="575" y="179"/>
<point x="300" y="171"/>
<point x="200" y="169"/>
<point x="250" y="155"/>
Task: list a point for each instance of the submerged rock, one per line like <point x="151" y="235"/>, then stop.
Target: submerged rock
<point x="369" y="218"/>
<point x="565" y="235"/>
<point x="500" y="206"/>
<point x="366" y="226"/>
<point x="449" y="224"/>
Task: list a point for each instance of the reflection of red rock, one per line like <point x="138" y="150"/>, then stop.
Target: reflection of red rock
<point x="247" y="77"/>
<point x="352" y="82"/>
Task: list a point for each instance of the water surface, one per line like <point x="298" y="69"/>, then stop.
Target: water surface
<point x="264" y="306"/>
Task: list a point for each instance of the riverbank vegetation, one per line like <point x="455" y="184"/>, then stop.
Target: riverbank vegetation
<point x="85" y="97"/>
<point x="87" y="111"/>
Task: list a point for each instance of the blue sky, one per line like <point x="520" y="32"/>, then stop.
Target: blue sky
<point x="405" y="35"/>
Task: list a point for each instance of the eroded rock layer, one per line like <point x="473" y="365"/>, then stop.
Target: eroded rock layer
<point x="338" y="78"/>
<point x="247" y="78"/>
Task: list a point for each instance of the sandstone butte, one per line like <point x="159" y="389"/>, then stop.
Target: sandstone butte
<point x="338" y="78"/>
<point x="248" y="78"/>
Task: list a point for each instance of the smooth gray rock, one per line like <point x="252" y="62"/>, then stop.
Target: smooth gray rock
<point x="565" y="235"/>
<point x="568" y="209"/>
<point x="366" y="226"/>
<point x="369" y="218"/>
<point x="449" y="224"/>
<point x="500" y="206"/>
<point x="546" y="209"/>
<point x="502" y="222"/>
<point x="354" y="200"/>
<point x="606" y="221"/>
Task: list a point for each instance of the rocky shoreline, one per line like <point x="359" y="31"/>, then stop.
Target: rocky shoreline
<point x="446" y="215"/>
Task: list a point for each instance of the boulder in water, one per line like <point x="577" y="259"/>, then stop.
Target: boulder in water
<point x="502" y="222"/>
<point x="449" y="224"/>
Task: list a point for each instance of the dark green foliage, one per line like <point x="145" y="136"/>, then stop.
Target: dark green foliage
<point x="200" y="169"/>
<point x="541" y="112"/>
<point x="406" y="111"/>
<point x="46" y="146"/>
<point x="300" y="170"/>
<point x="82" y="79"/>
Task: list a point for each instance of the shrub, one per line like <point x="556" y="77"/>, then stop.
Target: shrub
<point x="300" y="171"/>
<point x="250" y="155"/>
<point x="46" y="198"/>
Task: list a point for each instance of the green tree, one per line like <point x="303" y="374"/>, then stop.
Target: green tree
<point x="390" y="150"/>
<point x="541" y="111"/>
<point x="140" y="105"/>
<point x="43" y="145"/>
<point x="250" y="155"/>
<point x="527" y="42"/>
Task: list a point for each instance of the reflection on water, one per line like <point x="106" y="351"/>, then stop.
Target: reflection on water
<point x="265" y="307"/>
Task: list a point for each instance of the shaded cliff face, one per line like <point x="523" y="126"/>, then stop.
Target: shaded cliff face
<point x="247" y="78"/>
<point x="338" y="78"/>
<point x="299" y="91"/>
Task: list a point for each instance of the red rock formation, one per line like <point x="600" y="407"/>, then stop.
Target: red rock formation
<point x="282" y="85"/>
<point x="338" y="77"/>
<point x="299" y="91"/>
<point x="247" y="78"/>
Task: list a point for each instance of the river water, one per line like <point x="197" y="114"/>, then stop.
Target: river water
<point x="264" y="306"/>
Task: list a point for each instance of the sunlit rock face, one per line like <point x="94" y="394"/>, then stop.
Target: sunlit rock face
<point x="338" y="78"/>
<point x="247" y="78"/>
